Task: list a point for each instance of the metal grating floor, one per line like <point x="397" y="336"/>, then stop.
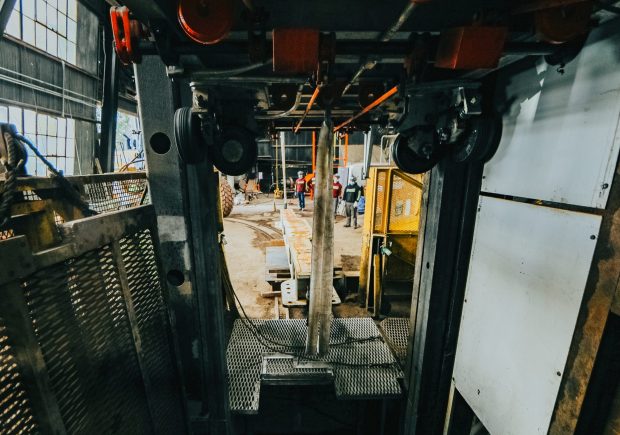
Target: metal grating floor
<point x="396" y="333"/>
<point x="361" y="370"/>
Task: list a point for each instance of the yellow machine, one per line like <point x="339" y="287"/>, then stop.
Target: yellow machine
<point x="391" y="223"/>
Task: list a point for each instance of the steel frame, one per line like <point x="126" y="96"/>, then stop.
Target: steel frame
<point x="186" y="201"/>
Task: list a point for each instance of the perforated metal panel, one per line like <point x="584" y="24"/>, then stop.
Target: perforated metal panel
<point x="405" y="205"/>
<point x="16" y="416"/>
<point x="396" y="333"/>
<point x="82" y="326"/>
<point x="87" y="323"/>
<point x="146" y="292"/>
<point x="361" y="369"/>
<point x="116" y="195"/>
<point x="380" y="199"/>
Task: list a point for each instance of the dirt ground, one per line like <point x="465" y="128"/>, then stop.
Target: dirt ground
<point x="252" y="227"/>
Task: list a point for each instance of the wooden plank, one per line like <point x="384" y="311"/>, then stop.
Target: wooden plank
<point x="297" y="238"/>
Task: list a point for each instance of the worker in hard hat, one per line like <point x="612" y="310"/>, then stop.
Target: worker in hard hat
<point x="336" y="193"/>
<point x="300" y="190"/>
<point x="352" y="194"/>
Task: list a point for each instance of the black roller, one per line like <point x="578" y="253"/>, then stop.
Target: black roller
<point x="416" y="154"/>
<point x="190" y="143"/>
<point x="236" y="152"/>
<point x="480" y="141"/>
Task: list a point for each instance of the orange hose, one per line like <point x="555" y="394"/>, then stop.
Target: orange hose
<point x="308" y="107"/>
<point x="368" y="108"/>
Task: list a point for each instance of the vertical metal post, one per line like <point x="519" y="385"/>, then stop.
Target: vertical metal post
<point x="6" y="9"/>
<point x="185" y="198"/>
<point x="450" y="200"/>
<point x="321" y="280"/>
<point x="109" y="109"/>
<point x="282" y="150"/>
<point x="202" y="185"/>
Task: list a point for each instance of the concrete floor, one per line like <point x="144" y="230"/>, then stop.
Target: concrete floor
<point x="252" y="227"/>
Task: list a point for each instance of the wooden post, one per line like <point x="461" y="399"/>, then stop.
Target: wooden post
<point x="321" y="279"/>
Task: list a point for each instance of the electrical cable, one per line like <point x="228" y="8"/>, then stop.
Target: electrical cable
<point x="58" y="176"/>
<point x="254" y="330"/>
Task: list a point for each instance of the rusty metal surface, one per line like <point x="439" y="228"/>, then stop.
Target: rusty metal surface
<point x="599" y="294"/>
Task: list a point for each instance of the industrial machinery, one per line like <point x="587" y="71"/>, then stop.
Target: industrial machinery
<point x="123" y="319"/>
<point x="414" y="73"/>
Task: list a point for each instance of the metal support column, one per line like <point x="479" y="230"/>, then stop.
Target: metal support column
<point x="321" y="280"/>
<point x="448" y="214"/>
<point x="109" y="109"/>
<point x="6" y="8"/>
<point x="282" y="150"/>
<point x="185" y="200"/>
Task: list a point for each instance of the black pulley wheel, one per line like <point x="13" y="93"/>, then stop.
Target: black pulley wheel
<point x="481" y="140"/>
<point x="235" y="153"/>
<point x="407" y="157"/>
<point x="190" y="143"/>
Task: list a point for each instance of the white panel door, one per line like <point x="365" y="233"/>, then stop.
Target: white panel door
<point x="561" y="137"/>
<point x="527" y="275"/>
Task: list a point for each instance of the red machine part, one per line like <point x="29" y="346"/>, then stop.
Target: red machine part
<point x="470" y="47"/>
<point x="559" y="25"/>
<point x="206" y="21"/>
<point x="295" y="51"/>
<point x="126" y="34"/>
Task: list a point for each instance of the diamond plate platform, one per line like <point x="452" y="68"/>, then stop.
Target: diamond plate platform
<point x="360" y="370"/>
<point x="396" y="333"/>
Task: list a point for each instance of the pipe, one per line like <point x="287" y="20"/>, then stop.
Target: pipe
<point x="366" y="66"/>
<point x="403" y="17"/>
<point x="321" y="279"/>
<point x="308" y="107"/>
<point x="368" y="108"/>
<point x="256" y="79"/>
<point x="286" y="112"/>
<point x="384" y="37"/>
<point x="205" y="74"/>
<point x="282" y="149"/>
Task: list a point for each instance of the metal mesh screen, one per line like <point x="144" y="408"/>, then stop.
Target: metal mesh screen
<point x="116" y="195"/>
<point x="116" y="191"/>
<point x="380" y="200"/>
<point x="15" y="412"/>
<point x="139" y="258"/>
<point x="82" y="326"/>
<point x="404" y="205"/>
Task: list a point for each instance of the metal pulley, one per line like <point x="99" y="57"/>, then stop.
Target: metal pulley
<point x="206" y="21"/>
<point x="126" y="32"/>
<point x="233" y="152"/>
<point x="418" y="151"/>
<point x="480" y="141"/>
<point x="190" y="144"/>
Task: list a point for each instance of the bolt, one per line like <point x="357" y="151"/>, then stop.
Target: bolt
<point x="592" y="237"/>
<point x="473" y="100"/>
<point x="605" y="185"/>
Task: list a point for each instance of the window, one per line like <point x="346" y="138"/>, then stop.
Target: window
<point x="54" y="137"/>
<point x="49" y="25"/>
